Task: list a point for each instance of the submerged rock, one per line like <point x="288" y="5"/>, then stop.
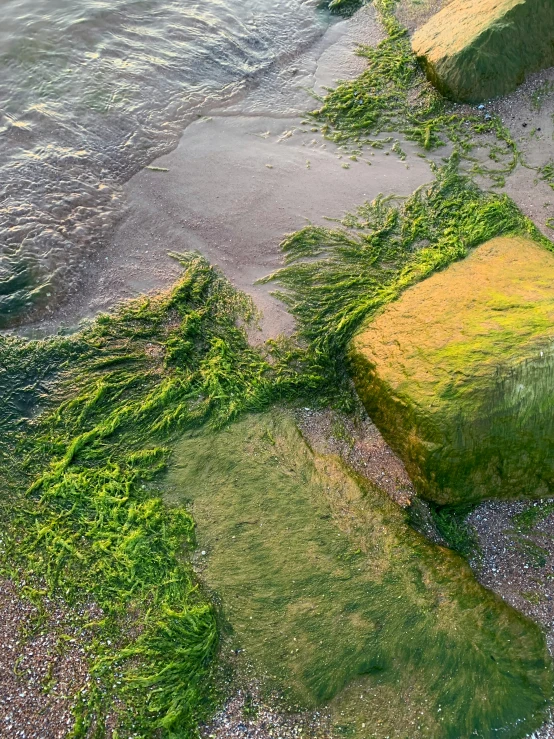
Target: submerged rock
<point x="475" y="50"/>
<point x="458" y="374"/>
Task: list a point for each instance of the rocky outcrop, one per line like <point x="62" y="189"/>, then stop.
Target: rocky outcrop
<point x="475" y="50"/>
<point x="458" y="374"/>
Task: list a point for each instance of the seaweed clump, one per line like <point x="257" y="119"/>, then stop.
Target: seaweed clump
<point x="337" y="278"/>
<point x="81" y="515"/>
<point x="392" y="96"/>
<point x="343" y="7"/>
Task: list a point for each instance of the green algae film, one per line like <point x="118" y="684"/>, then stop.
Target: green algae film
<point x="458" y="373"/>
<point x="475" y="50"/>
<point x="337" y="601"/>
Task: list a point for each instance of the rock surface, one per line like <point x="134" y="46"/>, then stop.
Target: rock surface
<point x="331" y="601"/>
<point x="476" y="50"/>
<point x="458" y="374"/>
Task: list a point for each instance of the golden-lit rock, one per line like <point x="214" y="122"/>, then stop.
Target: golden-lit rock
<point x="475" y="50"/>
<point x="459" y="375"/>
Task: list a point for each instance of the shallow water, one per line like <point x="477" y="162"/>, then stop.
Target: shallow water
<point x="90" y="92"/>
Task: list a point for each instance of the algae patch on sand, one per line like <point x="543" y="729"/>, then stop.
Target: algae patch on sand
<point x="86" y="424"/>
<point x="459" y="375"/>
<point x="335" y="279"/>
<point x="392" y="96"/>
<point x="337" y="601"/>
<point x="475" y="50"/>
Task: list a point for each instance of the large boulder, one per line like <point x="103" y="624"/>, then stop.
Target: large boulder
<point x="332" y="602"/>
<point x="475" y="50"/>
<point x="459" y="375"/>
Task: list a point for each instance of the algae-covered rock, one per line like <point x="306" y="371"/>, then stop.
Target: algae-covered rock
<point x="333" y="600"/>
<point x="474" y="50"/>
<point x="459" y="375"/>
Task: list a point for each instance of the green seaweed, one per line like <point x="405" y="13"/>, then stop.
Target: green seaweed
<point x="342" y="7"/>
<point x="336" y="279"/>
<point x="546" y="174"/>
<point x="393" y="96"/>
<point x="523" y="532"/>
<point x="82" y="518"/>
<point x="534" y="554"/>
<point x="451" y="523"/>
<point x="533" y="514"/>
<point x="540" y="94"/>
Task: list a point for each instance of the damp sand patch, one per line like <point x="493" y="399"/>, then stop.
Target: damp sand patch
<point x="220" y="197"/>
<point x="335" y="600"/>
<point x="43" y="664"/>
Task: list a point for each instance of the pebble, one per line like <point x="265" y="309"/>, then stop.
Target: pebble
<point x="37" y="678"/>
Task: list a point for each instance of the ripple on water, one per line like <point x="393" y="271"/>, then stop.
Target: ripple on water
<point x="90" y="92"/>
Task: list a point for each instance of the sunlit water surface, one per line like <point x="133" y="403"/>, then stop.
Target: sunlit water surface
<point x="90" y="92"/>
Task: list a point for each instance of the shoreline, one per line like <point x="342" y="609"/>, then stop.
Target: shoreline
<point x="286" y="180"/>
<point x="239" y="180"/>
<point x="250" y="171"/>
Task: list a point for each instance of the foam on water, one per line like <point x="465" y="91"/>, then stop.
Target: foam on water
<point x="90" y="92"/>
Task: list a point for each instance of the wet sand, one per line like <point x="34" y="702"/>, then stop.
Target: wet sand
<point x="43" y="665"/>
<point x="246" y="174"/>
<point x="239" y="180"/>
<point x="235" y="186"/>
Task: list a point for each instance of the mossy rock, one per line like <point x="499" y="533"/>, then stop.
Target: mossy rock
<point x="475" y="50"/>
<point x="334" y="600"/>
<point x="459" y="375"/>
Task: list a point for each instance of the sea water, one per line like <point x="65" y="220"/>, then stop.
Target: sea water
<point x="93" y="90"/>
